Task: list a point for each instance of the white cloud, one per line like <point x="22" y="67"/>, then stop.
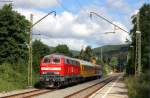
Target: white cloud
<point x="72" y="43"/>
<point x="74" y="30"/>
<point x="34" y="3"/>
<point x="119" y="37"/>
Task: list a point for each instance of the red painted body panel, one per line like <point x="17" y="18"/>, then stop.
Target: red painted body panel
<point x="48" y="67"/>
<point x="61" y="69"/>
<point x="57" y="70"/>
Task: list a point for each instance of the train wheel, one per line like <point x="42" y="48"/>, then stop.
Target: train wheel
<point x="59" y="85"/>
<point x="65" y="82"/>
<point x="51" y="85"/>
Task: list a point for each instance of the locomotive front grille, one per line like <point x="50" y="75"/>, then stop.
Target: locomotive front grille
<point x="48" y="77"/>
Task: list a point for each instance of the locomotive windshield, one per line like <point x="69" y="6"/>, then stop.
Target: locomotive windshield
<point x="56" y="60"/>
<point x="46" y="60"/>
<point x="52" y="60"/>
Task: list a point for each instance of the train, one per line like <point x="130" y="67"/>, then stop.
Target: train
<point x="58" y="70"/>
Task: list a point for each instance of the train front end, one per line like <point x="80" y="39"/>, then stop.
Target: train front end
<point x="51" y="70"/>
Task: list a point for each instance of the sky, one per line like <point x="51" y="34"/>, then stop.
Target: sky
<point x="72" y="24"/>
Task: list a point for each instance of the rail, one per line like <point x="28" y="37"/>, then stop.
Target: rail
<point x="86" y="92"/>
<point x="29" y="94"/>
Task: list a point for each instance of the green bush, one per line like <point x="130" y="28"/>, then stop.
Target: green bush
<point x="12" y="76"/>
<point x="138" y="87"/>
<point x="106" y="69"/>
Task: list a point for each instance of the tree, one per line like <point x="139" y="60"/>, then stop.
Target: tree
<point x="39" y="50"/>
<point x="86" y="54"/>
<point x="63" y="49"/>
<point x="80" y="56"/>
<point x="13" y="51"/>
<point x="138" y="86"/>
<point x="145" y="34"/>
<point x="106" y="59"/>
<point x="114" y="62"/>
<point x="144" y="20"/>
<point x="13" y="35"/>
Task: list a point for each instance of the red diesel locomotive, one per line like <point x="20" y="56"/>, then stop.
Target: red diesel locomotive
<point x="58" y="70"/>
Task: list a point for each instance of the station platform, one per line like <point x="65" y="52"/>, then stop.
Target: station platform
<point x="114" y="89"/>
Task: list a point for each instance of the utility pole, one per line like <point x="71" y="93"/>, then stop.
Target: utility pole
<point x="31" y="17"/>
<point x="132" y="57"/>
<point x="138" y="47"/>
<point x="30" y="53"/>
<point x="101" y="55"/>
<point x="107" y="20"/>
<point x="30" y="45"/>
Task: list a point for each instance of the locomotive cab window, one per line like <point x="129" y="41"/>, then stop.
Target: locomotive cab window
<point x="56" y="60"/>
<point x="46" y="60"/>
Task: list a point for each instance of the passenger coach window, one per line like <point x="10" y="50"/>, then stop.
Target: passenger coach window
<point x="74" y="62"/>
<point x="56" y="60"/>
<point x="67" y="61"/>
<point x="78" y="64"/>
<point x="70" y="61"/>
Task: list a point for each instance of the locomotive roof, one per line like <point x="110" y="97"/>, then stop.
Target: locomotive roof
<point x="81" y="61"/>
<point x="59" y="55"/>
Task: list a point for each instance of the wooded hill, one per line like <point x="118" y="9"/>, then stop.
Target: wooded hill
<point x="120" y="52"/>
<point x="111" y="49"/>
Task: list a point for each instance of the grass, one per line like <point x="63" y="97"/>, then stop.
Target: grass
<point x="12" y="77"/>
<point x="138" y="87"/>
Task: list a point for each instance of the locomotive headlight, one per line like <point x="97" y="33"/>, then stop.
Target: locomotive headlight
<point x="56" y="73"/>
<point x="47" y="79"/>
<point x="41" y="78"/>
<point x="43" y="72"/>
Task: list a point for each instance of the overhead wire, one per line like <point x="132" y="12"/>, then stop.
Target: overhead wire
<point x="3" y="2"/>
<point x="80" y="5"/>
<point x="61" y="5"/>
<point x="41" y="34"/>
<point x="77" y="2"/>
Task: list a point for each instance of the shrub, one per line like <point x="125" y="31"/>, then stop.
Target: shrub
<point x="12" y="76"/>
<point x="106" y="69"/>
<point x="138" y="87"/>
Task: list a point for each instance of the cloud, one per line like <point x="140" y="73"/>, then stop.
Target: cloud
<point x="34" y="3"/>
<point x="74" y="30"/>
<point x="68" y="24"/>
<point x="72" y="43"/>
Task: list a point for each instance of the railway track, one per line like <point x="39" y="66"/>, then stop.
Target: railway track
<point x="87" y="92"/>
<point x="83" y="93"/>
<point x="29" y="94"/>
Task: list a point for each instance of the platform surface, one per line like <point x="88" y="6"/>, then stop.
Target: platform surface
<point x="114" y="89"/>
